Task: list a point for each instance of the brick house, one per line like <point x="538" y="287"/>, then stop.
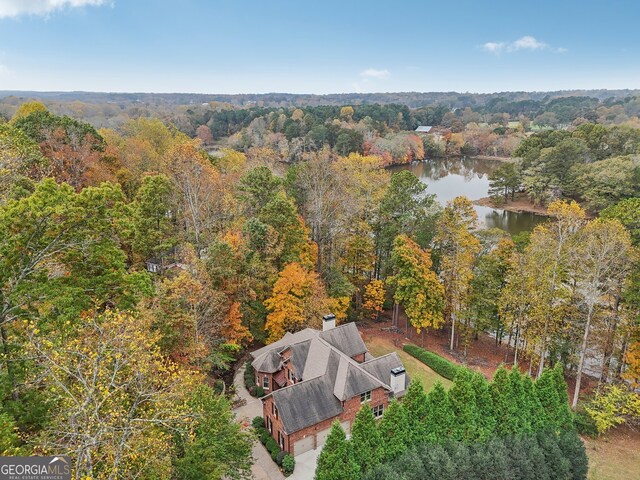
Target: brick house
<point x="312" y="378"/>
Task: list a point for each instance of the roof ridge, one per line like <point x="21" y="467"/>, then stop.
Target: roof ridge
<point x="381" y="356"/>
<point x="351" y="361"/>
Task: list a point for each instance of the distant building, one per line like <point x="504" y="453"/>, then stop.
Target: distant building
<point x="424" y="129"/>
<point x="313" y="378"/>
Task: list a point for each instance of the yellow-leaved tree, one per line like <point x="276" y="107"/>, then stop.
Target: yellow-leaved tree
<point x="115" y="399"/>
<point x="416" y="285"/>
<point x="298" y="300"/>
<point x="374" y="293"/>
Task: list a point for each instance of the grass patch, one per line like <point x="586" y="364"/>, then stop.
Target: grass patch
<point x="417" y="370"/>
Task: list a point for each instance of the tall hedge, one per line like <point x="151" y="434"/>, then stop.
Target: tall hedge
<point x="435" y="362"/>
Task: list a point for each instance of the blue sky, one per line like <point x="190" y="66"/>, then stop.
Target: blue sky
<point x="327" y="46"/>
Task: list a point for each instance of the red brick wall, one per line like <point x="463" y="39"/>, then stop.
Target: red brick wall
<point x="261" y="376"/>
<point x="351" y="408"/>
<point x="359" y="358"/>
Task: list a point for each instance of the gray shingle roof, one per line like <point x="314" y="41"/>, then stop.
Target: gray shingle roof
<point x="345" y="338"/>
<point x="309" y="402"/>
<point x="381" y="367"/>
<point x="329" y="374"/>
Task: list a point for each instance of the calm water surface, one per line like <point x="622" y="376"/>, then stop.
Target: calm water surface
<point x="449" y="178"/>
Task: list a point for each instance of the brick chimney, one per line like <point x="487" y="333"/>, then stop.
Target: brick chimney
<point x="328" y="322"/>
<point x="398" y="378"/>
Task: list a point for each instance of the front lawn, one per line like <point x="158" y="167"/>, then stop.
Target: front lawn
<point x="379" y="346"/>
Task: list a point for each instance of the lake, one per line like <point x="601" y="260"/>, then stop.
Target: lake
<point x="452" y="177"/>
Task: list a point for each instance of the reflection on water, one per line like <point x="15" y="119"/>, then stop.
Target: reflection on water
<point x="452" y="177"/>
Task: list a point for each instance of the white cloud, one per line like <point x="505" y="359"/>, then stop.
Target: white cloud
<point x="15" y="8"/>
<point x="523" y="43"/>
<point x="373" y="73"/>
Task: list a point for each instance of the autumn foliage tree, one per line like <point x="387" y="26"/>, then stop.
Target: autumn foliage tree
<point x="458" y="249"/>
<point x="416" y="285"/>
<point x="298" y="300"/>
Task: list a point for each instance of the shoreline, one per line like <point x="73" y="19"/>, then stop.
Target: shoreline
<point x="519" y="205"/>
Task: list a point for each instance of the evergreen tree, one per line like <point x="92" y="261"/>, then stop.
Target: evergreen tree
<point x="518" y="403"/>
<point x="336" y="459"/>
<point x="410" y="465"/>
<point x="545" y="388"/>
<point x="519" y="461"/>
<point x="463" y="401"/>
<point x="573" y="450"/>
<point x="415" y="403"/>
<point x="365" y="440"/>
<point x="486" y="420"/>
<point x="489" y="460"/>
<point x="461" y="458"/>
<point x="437" y="463"/>
<point x="565" y="416"/>
<point x="499" y="390"/>
<point x="558" y="466"/>
<point x="440" y="417"/>
<point x="535" y="454"/>
<point x="394" y="431"/>
<point x="535" y="412"/>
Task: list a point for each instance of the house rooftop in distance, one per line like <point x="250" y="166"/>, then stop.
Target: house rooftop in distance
<point x="424" y="128"/>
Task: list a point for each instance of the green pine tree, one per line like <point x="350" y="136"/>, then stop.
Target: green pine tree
<point x="461" y="458"/>
<point x="536" y="413"/>
<point x="486" y="420"/>
<point x="499" y="390"/>
<point x="394" y="431"/>
<point x="489" y="460"/>
<point x="547" y="393"/>
<point x="440" y="417"/>
<point x="558" y="466"/>
<point x="437" y="463"/>
<point x="365" y="440"/>
<point x="573" y="449"/>
<point x="336" y="460"/>
<point x="415" y="403"/>
<point x="565" y="416"/>
<point x="518" y="405"/>
<point x="466" y="426"/>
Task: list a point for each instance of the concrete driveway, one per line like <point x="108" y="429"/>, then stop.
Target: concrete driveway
<point x="263" y="467"/>
<point x="305" y="465"/>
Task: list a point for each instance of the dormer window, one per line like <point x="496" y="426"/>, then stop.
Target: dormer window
<point x="365" y="397"/>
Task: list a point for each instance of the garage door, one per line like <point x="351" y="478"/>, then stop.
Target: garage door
<point x="322" y="436"/>
<point x="303" y="445"/>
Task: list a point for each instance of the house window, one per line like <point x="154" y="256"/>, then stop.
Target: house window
<point x="365" y="397"/>
<point x="378" y="411"/>
<point x="269" y="425"/>
<point x="274" y="410"/>
<point x="291" y="375"/>
<point x="265" y="382"/>
<point x="281" y="439"/>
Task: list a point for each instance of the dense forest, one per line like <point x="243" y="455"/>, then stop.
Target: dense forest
<point x="137" y="264"/>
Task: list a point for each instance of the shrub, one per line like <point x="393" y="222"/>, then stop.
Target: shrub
<point x="585" y="424"/>
<point x="257" y="422"/>
<point x="288" y="465"/>
<point x="274" y="455"/>
<point x="259" y="392"/>
<point x="438" y="364"/>
<point x="272" y="447"/>
<point x="264" y="435"/>
<point x="253" y="391"/>
<point x="249" y="376"/>
<point x="280" y="457"/>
